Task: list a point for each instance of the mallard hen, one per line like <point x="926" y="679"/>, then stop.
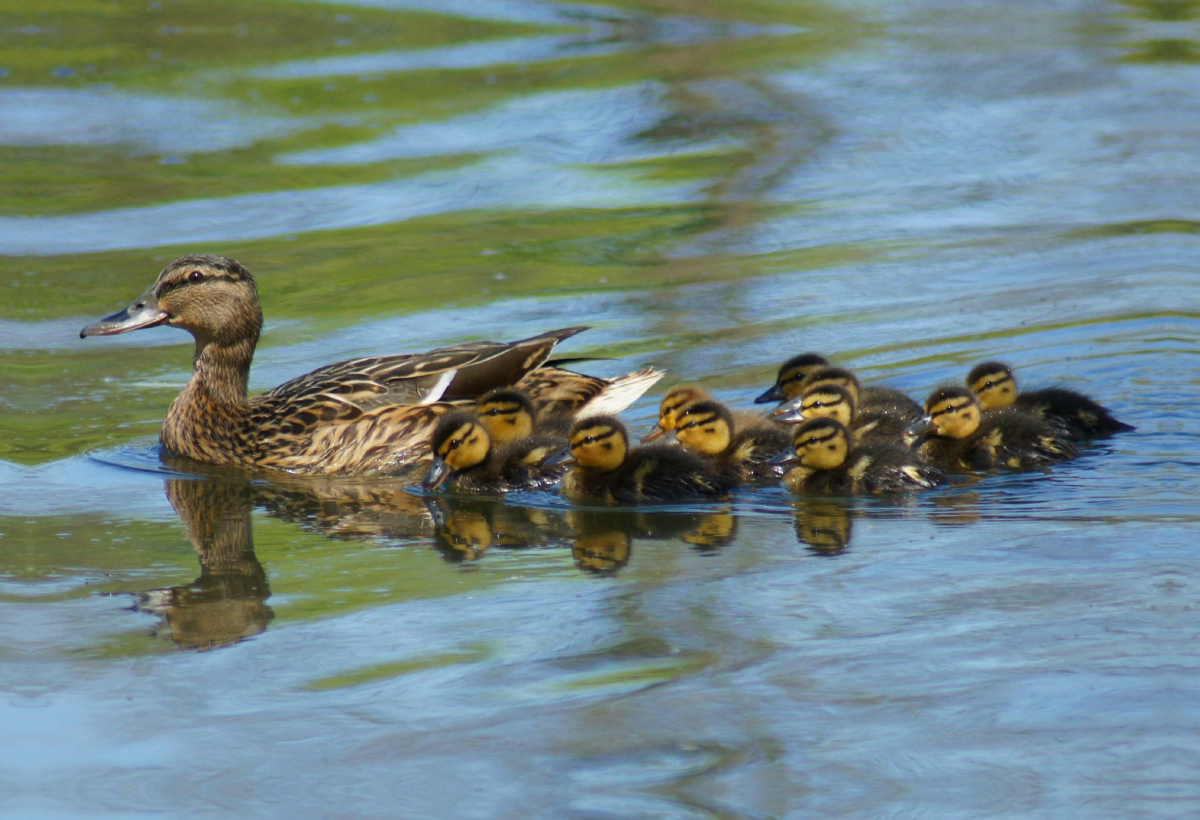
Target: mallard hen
<point x="357" y="417"/>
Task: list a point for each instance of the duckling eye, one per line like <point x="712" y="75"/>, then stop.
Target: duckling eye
<point x="495" y="411"/>
<point x="588" y="440"/>
<point x="195" y="276"/>
<point x="454" y="444"/>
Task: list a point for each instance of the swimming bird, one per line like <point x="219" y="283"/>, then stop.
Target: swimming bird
<point x="357" y="417"/>
<point x="824" y="459"/>
<point x="789" y="381"/>
<point x="1083" y="419"/>
<point x="604" y="468"/>
<point x="958" y="434"/>
<point x="830" y="400"/>
<point x="873" y="399"/>
<point x="679" y="398"/>
<point x="465" y="460"/>
<point x="707" y="429"/>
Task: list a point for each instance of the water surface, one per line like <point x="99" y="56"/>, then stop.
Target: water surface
<point x="907" y="187"/>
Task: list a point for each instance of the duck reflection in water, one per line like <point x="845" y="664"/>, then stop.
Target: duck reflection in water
<point x="227" y="602"/>
<point x="823" y="525"/>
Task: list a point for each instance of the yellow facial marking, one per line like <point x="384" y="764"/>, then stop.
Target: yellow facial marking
<point x="465" y="447"/>
<point x="505" y="420"/>
<point x="704" y="433"/>
<point x="956" y="417"/>
<point x="819" y="404"/>
<point x="996" y="389"/>
<point x="598" y="447"/>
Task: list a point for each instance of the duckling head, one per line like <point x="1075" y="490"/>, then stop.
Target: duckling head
<point x="837" y="376"/>
<point x="212" y="297"/>
<point x="821" y="444"/>
<point x="705" y="428"/>
<point x="506" y="413"/>
<point x="828" y="401"/>
<point x="950" y="412"/>
<point x="792" y="375"/>
<point x="459" y="442"/>
<point x="678" y="399"/>
<point x="994" y="384"/>
<point x="599" y="443"/>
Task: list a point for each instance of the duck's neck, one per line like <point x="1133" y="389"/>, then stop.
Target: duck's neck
<point x="220" y="370"/>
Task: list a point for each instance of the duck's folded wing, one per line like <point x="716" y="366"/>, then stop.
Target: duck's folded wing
<point x="559" y="392"/>
<point x="458" y="372"/>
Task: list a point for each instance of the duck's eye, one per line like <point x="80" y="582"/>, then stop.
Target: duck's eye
<point x="454" y="444"/>
<point x="495" y="411"/>
<point x="195" y="276"/>
<point x="588" y="440"/>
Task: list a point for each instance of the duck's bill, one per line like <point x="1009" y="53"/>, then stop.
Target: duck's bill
<point x="142" y="313"/>
<point x="439" y="471"/>
<point x="784" y="459"/>
<point x="773" y="394"/>
<point x="654" y="435"/>
<point x="790" y="412"/>
<point x="563" y="458"/>
<point x="918" y="428"/>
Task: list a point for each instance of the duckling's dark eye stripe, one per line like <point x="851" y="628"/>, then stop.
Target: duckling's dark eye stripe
<point x="592" y="437"/>
<point x="815" y="439"/>
<point x="949" y="408"/>
<point x="174" y="284"/>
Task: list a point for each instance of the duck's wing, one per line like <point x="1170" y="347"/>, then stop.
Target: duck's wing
<point x="557" y="392"/>
<point x="447" y="373"/>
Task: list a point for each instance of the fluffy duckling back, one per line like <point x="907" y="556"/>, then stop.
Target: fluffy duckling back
<point x="831" y="400"/>
<point x="789" y="382"/>
<point x="606" y="469"/>
<point x="826" y="461"/>
<point x="465" y="460"/>
<point x="875" y="400"/>
<point x="1083" y="419"/>
<point x="707" y="429"/>
<point x="958" y="434"/>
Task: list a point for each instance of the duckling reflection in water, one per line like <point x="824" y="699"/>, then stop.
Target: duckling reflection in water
<point x="465" y="461"/>
<point x="1081" y="418"/>
<point x="707" y="429"/>
<point x="605" y="469"/>
<point x="825" y="461"/>
<point x="957" y="434"/>
<point x="466" y="528"/>
<point x="226" y="603"/>
<point x="833" y="401"/>
<point x="823" y="524"/>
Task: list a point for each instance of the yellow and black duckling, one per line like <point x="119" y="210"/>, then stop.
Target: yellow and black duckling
<point x="1083" y="419"/>
<point x="789" y="382"/>
<point x="604" y="468"/>
<point x="958" y="434"/>
<point x="465" y="461"/>
<point x="741" y="456"/>
<point x="509" y="415"/>
<point x="357" y="417"/>
<point x="886" y="401"/>
<point x="831" y="400"/>
<point x="677" y="401"/>
<point x="826" y="461"/>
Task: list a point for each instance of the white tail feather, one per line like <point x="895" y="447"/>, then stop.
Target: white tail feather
<point x="438" y="388"/>
<point x="623" y="391"/>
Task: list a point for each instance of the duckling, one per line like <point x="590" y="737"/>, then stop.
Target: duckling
<point x="679" y="398"/>
<point x="509" y="415"/>
<point x="958" y="434"/>
<point x="465" y="461"/>
<point x="1083" y="419"/>
<point x="826" y="461"/>
<point x="369" y="416"/>
<point x="707" y="429"/>
<point x="791" y="377"/>
<point x="878" y="400"/>
<point x="606" y="469"/>
<point x="827" y="399"/>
